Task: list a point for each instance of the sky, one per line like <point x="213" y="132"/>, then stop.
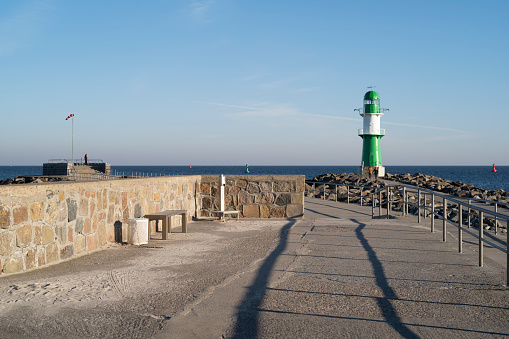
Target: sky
<point x="225" y="82"/>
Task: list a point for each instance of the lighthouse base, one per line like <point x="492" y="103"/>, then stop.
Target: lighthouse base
<point x="376" y="171"/>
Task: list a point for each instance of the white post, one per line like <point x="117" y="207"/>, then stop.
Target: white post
<point x="223" y="183"/>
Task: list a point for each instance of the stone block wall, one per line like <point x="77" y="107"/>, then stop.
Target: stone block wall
<point x="103" y="167"/>
<point x="46" y="223"/>
<point x="254" y="196"/>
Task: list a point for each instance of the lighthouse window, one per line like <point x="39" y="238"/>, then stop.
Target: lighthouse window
<point x="371" y="102"/>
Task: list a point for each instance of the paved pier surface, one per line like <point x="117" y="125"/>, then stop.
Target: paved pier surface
<point x="335" y="273"/>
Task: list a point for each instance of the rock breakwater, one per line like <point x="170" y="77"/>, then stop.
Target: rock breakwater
<point x="453" y="188"/>
<point x="32" y="179"/>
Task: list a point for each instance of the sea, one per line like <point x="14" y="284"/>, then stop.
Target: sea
<point x="479" y="176"/>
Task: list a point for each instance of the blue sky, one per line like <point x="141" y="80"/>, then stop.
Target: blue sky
<point x="225" y="82"/>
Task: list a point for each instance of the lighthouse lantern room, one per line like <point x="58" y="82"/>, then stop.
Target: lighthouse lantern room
<point x="371" y="133"/>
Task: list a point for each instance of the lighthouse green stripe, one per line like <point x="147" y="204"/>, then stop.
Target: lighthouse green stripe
<point x="371" y="108"/>
<point x="371" y="155"/>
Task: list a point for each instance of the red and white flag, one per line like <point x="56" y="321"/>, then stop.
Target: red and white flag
<point x="70" y="116"/>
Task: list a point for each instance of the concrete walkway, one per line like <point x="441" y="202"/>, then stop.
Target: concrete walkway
<point x="335" y="273"/>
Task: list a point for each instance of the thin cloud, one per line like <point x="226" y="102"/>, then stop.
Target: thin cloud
<point x="278" y="83"/>
<point x="274" y="111"/>
<point x="424" y="126"/>
<point x="392" y="123"/>
<point x="332" y="117"/>
<point x="267" y="111"/>
<point x="199" y="10"/>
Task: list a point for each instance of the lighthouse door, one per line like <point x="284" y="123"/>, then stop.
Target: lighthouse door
<point x="372" y="160"/>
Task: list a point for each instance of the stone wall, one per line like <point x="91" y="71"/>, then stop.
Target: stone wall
<point x="255" y="196"/>
<point x="46" y="223"/>
<point x="103" y="167"/>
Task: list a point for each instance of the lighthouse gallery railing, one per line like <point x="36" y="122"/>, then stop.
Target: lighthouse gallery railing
<point x="361" y="132"/>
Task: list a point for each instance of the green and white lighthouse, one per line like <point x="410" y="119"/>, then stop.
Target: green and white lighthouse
<point x="371" y="133"/>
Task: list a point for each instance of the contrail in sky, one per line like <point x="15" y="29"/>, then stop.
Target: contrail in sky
<point x="390" y="123"/>
<point x="343" y="118"/>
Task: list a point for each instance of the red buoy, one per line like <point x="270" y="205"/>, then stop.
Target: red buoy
<point x="494" y="169"/>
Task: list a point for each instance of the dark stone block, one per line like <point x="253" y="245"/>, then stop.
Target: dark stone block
<point x="137" y="211"/>
<point x="79" y="225"/>
<point x="67" y="252"/>
<point x="72" y="209"/>
<point x="284" y="199"/>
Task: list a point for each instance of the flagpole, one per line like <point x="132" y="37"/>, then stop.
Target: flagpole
<point x="71" y="116"/>
<point x="72" y="142"/>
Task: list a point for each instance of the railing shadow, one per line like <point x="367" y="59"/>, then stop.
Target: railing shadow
<point x="385" y="305"/>
<point x="248" y="311"/>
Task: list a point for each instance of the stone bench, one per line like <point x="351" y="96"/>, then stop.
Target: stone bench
<point x="167" y="220"/>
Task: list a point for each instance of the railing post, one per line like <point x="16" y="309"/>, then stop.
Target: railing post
<point x="424" y="205"/>
<point x="419" y="207"/>
<point x="388" y="204"/>
<point x="481" y="235"/>
<point x="432" y="213"/>
<point x="324" y="191"/>
<point x="468" y="218"/>
<point x="460" y="234"/>
<point x="313" y="190"/>
<point x="361" y="196"/>
<point x="348" y="194"/>
<point x="444" y="228"/>
<point x="403" y="207"/>
<point x="496" y="223"/>
<point x="380" y="203"/>
<point x="372" y="205"/>
<point x="336" y="192"/>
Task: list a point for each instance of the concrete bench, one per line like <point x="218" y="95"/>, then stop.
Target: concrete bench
<point x="167" y="220"/>
<point x="222" y="213"/>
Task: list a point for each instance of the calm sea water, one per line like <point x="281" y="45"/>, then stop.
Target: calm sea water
<point x="479" y="176"/>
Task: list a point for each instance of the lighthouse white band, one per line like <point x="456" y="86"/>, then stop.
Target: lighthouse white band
<point x="371" y="123"/>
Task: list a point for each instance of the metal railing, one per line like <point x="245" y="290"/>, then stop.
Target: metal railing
<point x="458" y="212"/>
<point x="74" y="175"/>
<point x="426" y="204"/>
<point x="76" y="161"/>
<point x="91" y="176"/>
<point x="494" y="203"/>
<point x="381" y="132"/>
<point x="129" y="175"/>
<point x="352" y="191"/>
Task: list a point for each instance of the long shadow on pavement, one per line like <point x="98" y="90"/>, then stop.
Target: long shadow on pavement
<point x="388" y="310"/>
<point x="248" y="312"/>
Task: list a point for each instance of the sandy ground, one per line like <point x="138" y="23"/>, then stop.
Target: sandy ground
<point x="129" y="291"/>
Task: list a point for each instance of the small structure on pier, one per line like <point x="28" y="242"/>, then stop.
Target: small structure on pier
<point x="68" y="167"/>
<point x="371" y="133"/>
